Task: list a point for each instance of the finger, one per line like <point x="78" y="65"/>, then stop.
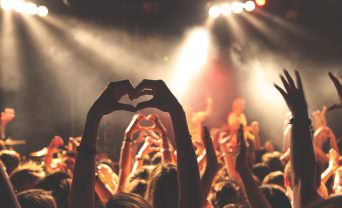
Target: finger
<point x="298" y="80"/>
<point x="336" y="82"/>
<point x="146" y="104"/>
<point x="285" y="83"/>
<point x="281" y="91"/>
<point x="126" y="107"/>
<point x="289" y="79"/>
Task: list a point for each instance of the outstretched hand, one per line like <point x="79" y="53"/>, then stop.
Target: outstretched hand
<point x="109" y="99"/>
<point x="163" y="99"/>
<point x="338" y="87"/>
<point x="293" y="94"/>
<point x="242" y="157"/>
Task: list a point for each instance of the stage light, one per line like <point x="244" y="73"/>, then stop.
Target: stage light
<point x="42" y="11"/>
<point x="26" y="8"/>
<point x="260" y="3"/>
<point x="237" y="7"/>
<point x="7" y="4"/>
<point x="214" y="11"/>
<point x="225" y="9"/>
<point x="249" y="6"/>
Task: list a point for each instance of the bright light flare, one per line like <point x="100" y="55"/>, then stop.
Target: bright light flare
<point x="26" y="8"/>
<point x="237" y="7"/>
<point x="214" y="11"/>
<point x="249" y="6"/>
<point x="225" y="9"/>
<point x="6" y="5"/>
<point x="260" y="3"/>
<point x="42" y="11"/>
<point x="192" y="58"/>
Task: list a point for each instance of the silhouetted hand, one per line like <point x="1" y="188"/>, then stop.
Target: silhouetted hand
<point x="242" y="156"/>
<point x="293" y="95"/>
<point x="163" y="99"/>
<point x="108" y="100"/>
<point x="338" y="87"/>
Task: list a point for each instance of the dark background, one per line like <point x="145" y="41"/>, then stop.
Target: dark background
<point x="51" y="79"/>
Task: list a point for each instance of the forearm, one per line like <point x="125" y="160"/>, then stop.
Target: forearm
<point x="7" y="195"/>
<point x="82" y="193"/>
<point x="125" y="165"/>
<point x="166" y="150"/>
<point x="255" y="197"/>
<point x="188" y="174"/>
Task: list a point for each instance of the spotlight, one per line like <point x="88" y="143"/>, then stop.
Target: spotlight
<point x="214" y="11"/>
<point x="27" y="8"/>
<point x="249" y="6"/>
<point x="42" y="11"/>
<point x="225" y="9"/>
<point x="7" y="4"/>
<point x="237" y="7"/>
<point x="260" y="3"/>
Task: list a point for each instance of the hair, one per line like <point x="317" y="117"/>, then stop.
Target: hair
<point x="273" y="161"/>
<point x="26" y="176"/>
<point x="59" y="184"/>
<point x="261" y="170"/>
<point x="127" y="200"/>
<point x="275" y="177"/>
<point x="162" y="189"/>
<point x="137" y="186"/>
<point x="36" y="198"/>
<point x="276" y="196"/>
<point x="227" y="192"/>
<point x="11" y="159"/>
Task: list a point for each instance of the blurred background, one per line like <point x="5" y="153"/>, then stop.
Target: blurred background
<point x="56" y="56"/>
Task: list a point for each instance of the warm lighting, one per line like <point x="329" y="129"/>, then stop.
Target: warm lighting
<point x="7" y="4"/>
<point x="249" y="6"/>
<point x="237" y="7"/>
<point x="214" y="11"/>
<point x="260" y="2"/>
<point x="26" y="8"/>
<point x="42" y="11"/>
<point x="225" y="9"/>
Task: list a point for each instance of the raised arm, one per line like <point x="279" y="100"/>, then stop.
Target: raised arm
<point x="302" y="151"/>
<point x="338" y="87"/>
<point x="255" y="197"/>
<point x="212" y="164"/>
<point x="8" y="198"/>
<point x="82" y="194"/>
<point x="187" y="168"/>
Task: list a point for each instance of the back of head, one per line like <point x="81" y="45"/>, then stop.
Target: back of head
<point x="11" y="159"/>
<point x="275" y="177"/>
<point x="36" y="198"/>
<point x="276" y="196"/>
<point x="261" y="170"/>
<point x="127" y="200"/>
<point x="59" y="184"/>
<point x="272" y="161"/>
<point x="162" y="190"/>
<point x="26" y="176"/>
<point x="227" y="192"/>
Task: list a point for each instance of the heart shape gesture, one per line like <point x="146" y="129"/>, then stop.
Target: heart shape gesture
<point x="163" y="99"/>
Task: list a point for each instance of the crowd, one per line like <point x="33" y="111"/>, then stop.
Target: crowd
<point x="228" y="167"/>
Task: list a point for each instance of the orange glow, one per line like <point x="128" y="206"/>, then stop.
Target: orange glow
<point x="260" y="2"/>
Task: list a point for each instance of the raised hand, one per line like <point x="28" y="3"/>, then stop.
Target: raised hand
<point x="134" y="126"/>
<point x="242" y="156"/>
<point x="163" y="99"/>
<point x="109" y="99"/>
<point x="293" y="94"/>
<point x="338" y="87"/>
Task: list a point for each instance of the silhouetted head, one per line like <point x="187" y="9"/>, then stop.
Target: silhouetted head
<point x="59" y="184"/>
<point x="275" y="177"/>
<point x="261" y="170"/>
<point x="227" y="192"/>
<point x="127" y="200"/>
<point x="11" y="159"/>
<point x="137" y="186"/>
<point x="26" y="176"/>
<point x="36" y="198"/>
<point x="276" y="196"/>
<point x="273" y="162"/>
<point x="162" y="189"/>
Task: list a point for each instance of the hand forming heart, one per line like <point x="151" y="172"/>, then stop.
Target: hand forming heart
<point x="163" y="99"/>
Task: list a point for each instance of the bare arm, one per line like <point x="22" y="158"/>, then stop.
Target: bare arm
<point x="187" y="168"/>
<point x="82" y="194"/>
<point x="302" y="151"/>
<point x="7" y="195"/>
